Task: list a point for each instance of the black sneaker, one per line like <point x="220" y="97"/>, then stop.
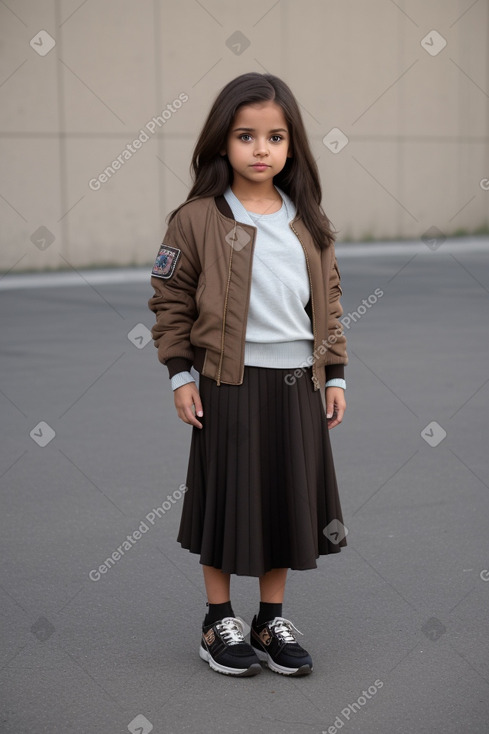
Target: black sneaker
<point x="275" y="644"/>
<point x="224" y="648"/>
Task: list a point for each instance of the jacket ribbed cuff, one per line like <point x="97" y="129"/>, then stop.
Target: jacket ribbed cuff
<point x="335" y="371"/>
<point x="178" y="364"/>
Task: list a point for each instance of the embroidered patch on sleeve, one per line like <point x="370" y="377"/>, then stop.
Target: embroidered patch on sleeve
<point x="166" y="262"/>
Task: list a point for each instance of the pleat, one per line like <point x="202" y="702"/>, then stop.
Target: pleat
<point x="261" y="479"/>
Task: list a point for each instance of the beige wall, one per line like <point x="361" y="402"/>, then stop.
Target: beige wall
<point x="417" y="123"/>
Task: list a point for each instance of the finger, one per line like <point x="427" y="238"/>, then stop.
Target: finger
<point x="198" y="406"/>
<point x="181" y="415"/>
<point x="339" y="414"/>
<point x="189" y="415"/>
<point x="330" y="409"/>
<point x="332" y="423"/>
<point x="337" y="418"/>
<point x="185" y="414"/>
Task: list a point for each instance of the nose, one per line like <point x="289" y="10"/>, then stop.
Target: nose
<point x="261" y="148"/>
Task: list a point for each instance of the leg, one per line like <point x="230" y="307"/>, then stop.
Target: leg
<point x="272" y="636"/>
<point x="223" y="645"/>
<point x="217" y="585"/>
<point x="272" y="586"/>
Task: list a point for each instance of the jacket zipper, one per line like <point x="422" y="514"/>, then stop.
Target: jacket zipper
<point x="314" y="376"/>
<point x="226" y="297"/>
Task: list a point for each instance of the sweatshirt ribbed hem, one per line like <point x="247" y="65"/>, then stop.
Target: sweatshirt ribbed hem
<point x="279" y="355"/>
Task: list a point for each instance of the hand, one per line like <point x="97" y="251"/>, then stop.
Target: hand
<point x="335" y="405"/>
<point x="188" y="404"/>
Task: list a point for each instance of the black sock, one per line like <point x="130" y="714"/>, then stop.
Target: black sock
<point x="268" y="612"/>
<point x="217" y="612"/>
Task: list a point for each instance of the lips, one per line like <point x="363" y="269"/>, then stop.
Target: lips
<point x="260" y="166"/>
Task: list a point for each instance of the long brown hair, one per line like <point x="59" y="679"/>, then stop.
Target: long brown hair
<point x="212" y="172"/>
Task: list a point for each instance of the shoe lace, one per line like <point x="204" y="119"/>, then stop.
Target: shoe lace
<point x="231" y="630"/>
<point x="283" y="629"/>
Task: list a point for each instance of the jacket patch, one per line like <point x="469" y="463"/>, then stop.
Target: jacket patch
<point x="166" y="262"/>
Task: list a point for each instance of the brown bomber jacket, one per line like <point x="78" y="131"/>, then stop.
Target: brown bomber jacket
<point x="201" y="281"/>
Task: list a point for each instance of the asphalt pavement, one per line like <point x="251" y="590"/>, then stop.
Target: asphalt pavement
<point x="102" y="608"/>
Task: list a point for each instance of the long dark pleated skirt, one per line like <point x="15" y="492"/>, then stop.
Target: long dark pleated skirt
<point x="261" y="481"/>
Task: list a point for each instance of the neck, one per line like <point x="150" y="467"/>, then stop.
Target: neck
<point x="265" y="191"/>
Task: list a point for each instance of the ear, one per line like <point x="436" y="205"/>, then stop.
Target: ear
<point x="223" y="152"/>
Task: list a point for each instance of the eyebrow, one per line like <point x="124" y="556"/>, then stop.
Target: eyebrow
<point x="252" y="130"/>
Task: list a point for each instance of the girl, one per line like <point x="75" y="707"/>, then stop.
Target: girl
<point x="246" y="291"/>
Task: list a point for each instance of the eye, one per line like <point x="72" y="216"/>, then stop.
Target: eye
<point x="245" y="135"/>
<point x="276" y="138"/>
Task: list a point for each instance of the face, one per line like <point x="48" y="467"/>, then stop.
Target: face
<point x="258" y="142"/>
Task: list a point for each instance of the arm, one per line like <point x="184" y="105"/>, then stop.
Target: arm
<point x="174" y="279"/>
<point x="337" y="357"/>
<point x="335" y="371"/>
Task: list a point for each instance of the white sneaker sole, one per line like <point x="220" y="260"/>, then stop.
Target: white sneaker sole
<point x="238" y="672"/>
<point x="265" y="658"/>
